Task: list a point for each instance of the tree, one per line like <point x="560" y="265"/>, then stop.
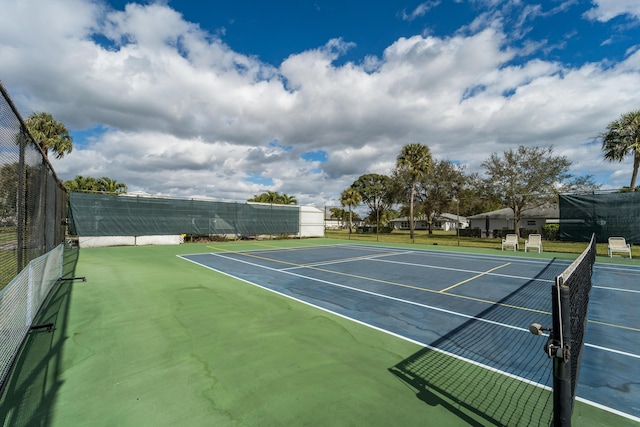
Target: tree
<point x="109" y="185"/>
<point x="351" y="198"/>
<point x="475" y="197"/>
<point x="82" y="183"/>
<point x="88" y="183"/>
<point x="377" y="192"/>
<point x="274" y="198"/>
<point x="50" y="134"/>
<point x="621" y="139"/>
<point x="8" y="189"/>
<point x="285" y="199"/>
<point x="339" y="214"/>
<point x="388" y="215"/>
<point x="266" y="197"/>
<point x="436" y="190"/>
<point x="526" y="178"/>
<point x="412" y="164"/>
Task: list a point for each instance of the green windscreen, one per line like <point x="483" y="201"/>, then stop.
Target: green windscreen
<point x="110" y="215"/>
<point x="606" y="215"/>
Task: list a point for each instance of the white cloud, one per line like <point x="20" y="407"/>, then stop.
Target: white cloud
<point x="605" y="10"/>
<point x="186" y="115"/>
<point x="420" y="10"/>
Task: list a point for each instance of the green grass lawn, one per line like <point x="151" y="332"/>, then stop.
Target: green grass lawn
<point x="449" y="238"/>
<point x="8" y="267"/>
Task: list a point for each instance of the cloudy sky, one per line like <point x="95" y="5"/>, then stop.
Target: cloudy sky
<point x="227" y="99"/>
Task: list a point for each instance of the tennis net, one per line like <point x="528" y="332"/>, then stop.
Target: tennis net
<point x="570" y="303"/>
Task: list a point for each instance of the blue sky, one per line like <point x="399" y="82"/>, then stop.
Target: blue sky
<point x="227" y="99"/>
<point x="274" y="30"/>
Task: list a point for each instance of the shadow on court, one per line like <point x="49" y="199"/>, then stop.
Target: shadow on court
<point x="486" y="376"/>
<point x="30" y="393"/>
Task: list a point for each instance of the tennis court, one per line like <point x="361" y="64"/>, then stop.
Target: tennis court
<point x="475" y="307"/>
<point x="316" y="332"/>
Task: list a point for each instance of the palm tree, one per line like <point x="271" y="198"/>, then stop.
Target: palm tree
<point x="88" y="183"/>
<point x="621" y="139"/>
<point x="350" y="197"/>
<point x="274" y="198"/>
<point x="266" y="197"/>
<point x="109" y="185"/>
<point x="50" y="134"/>
<point x="82" y="183"/>
<point x="413" y="163"/>
<point x="285" y="199"/>
<point x="338" y="214"/>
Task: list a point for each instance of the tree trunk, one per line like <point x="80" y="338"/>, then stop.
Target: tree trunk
<point x="516" y="221"/>
<point x="634" y="175"/>
<point x="411" y="225"/>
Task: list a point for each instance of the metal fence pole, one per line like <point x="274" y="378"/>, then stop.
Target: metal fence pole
<point x="20" y="202"/>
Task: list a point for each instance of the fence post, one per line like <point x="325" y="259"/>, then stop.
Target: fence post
<point x="20" y="202"/>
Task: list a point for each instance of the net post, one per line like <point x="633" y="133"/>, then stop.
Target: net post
<point x="560" y="349"/>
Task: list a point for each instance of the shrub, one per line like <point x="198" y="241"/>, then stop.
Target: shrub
<point x="372" y="229"/>
<point x="550" y="231"/>
<point x="524" y="232"/>
<point x="470" y="232"/>
<point x="500" y="234"/>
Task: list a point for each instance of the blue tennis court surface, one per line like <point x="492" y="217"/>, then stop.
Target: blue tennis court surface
<point x="477" y="308"/>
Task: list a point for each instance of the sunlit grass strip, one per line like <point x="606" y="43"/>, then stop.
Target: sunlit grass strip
<point x="449" y="238"/>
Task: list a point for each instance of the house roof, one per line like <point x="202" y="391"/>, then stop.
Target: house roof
<point x="443" y="216"/>
<point x="546" y="212"/>
<point x="453" y="217"/>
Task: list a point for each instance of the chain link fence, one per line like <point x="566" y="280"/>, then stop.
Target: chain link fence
<point x="33" y="204"/>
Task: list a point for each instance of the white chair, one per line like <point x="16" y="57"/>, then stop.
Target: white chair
<point x="533" y="241"/>
<point x="619" y="244"/>
<point x="510" y="240"/>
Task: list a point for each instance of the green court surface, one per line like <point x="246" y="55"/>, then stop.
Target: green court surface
<point x="152" y="340"/>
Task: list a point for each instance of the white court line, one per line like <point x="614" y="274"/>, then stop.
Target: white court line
<point x="496" y="258"/>
<point x="339" y="285"/>
<point x="484" y="258"/>
<point x="611" y="350"/>
<point x="499" y="257"/>
<point x="429" y="307"/>
<point x="524" y="380"/>
<point x="633" y="291"/>
<point x="375" y="258"/>
<point x="465" y="271"/>
<point x="618" y="267"/>
<point x="473" y="362"/>
<point x="342" y="261"/>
